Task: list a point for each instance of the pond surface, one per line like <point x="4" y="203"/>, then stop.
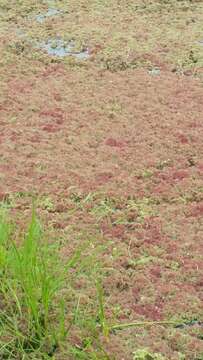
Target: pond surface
<point x="58" y="47"/>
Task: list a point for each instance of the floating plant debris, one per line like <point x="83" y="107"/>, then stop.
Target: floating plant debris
<point x="60" y="48"/>
<point x="50" y="12"/>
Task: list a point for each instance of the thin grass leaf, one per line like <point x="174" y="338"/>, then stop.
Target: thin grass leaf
<point x="101" y="313"/>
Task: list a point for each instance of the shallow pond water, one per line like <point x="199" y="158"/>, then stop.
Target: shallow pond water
<point x="155" y="71"/>
<point x="57" y="47"/>
<point x="50" y="12"/>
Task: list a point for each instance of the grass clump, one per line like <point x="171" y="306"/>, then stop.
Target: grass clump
<point x="28" y="290"/>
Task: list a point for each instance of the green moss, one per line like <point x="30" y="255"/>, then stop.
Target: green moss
<point x="144" y="354"/>
<point x="141" y="262"/>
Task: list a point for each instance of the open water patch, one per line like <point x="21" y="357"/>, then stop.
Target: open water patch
<point x="40" y="18"/>
<point x="155" y="71"/>
<point x="60" y="48"/>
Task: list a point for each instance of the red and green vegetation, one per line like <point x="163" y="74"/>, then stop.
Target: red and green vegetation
<point x="107" y="143"/>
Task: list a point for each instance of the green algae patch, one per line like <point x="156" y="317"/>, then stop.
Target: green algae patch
<point x="146" y="355"/>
